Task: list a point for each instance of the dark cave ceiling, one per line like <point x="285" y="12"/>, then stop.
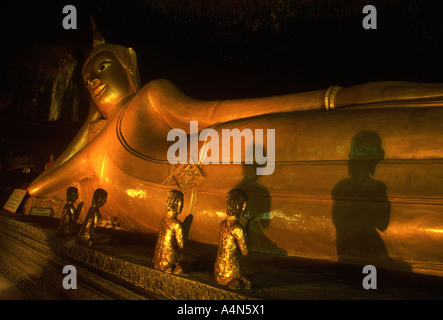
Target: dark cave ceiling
<point x="307" y="43"/>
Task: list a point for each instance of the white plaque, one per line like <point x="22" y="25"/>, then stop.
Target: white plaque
<point x="15" y="200"/>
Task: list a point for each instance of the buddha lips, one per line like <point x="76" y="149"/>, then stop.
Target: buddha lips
<point x="209" y="152"/>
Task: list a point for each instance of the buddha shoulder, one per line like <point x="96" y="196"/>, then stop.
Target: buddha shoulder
<point x="149" y="106"/>
<point x="159" y="101"/>
<point x="158" y="91"/>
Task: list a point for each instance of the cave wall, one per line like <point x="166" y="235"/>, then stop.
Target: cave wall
<point x="226" y="48"/>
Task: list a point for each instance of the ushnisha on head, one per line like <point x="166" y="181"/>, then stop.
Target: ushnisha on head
<point x="174" y="202"/>
<point x="236" y="203"/>
<point x="99" y="198"/>
<point x="110" y="74"/>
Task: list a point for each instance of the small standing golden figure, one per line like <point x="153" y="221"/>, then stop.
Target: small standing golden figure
<point x="70" y="213"/>
<point x="167" y="255"/>
<point x="232" y="243"/>
<point x="92" y="219"/>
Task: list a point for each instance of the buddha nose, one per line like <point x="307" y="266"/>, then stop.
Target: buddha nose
<point x="94" y="83"/>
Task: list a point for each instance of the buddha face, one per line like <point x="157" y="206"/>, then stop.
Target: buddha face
<point x="107" y="81"/>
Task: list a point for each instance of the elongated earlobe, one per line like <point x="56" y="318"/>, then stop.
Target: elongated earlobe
<point x="131" y="58"/>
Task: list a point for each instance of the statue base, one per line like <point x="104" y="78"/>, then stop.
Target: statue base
<point x="33" y="255"/>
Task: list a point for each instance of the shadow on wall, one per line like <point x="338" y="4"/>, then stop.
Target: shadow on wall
<point x="360" y="205"/>
<point x="258" y="209"/>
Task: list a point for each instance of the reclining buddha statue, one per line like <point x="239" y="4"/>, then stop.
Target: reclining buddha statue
<point x="348" y="164"/>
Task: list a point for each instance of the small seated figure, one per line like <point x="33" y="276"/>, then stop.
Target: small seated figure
<point x="110" y="223"/>
<point x="87" y="231"/>
<point x="232" y="243"/>
<point x="50" y="162"/>
<point x="167" y="255"/>
<point x="70" y="213"/>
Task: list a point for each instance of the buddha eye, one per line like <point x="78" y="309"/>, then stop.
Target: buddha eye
<point x="87" y="82"/>
<point x="103" y="66"/>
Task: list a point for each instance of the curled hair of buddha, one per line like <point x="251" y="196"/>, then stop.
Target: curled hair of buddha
<point x="235" y="201"/>
<point x="172" y="200"/>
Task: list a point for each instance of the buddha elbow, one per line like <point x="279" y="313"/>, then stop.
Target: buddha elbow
<point x="34" y="190"/>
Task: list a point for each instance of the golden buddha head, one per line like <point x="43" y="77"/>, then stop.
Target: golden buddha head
<point x="110" y="74"/>
<point x="236" y="203"/>
<point x="174" y="202"/>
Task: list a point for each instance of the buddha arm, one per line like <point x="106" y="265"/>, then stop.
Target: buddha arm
<point x="79" y="167"/>
<point x="178" y="109"/>
<point x="384" y="94"/>
<point x="79" y="142"/>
